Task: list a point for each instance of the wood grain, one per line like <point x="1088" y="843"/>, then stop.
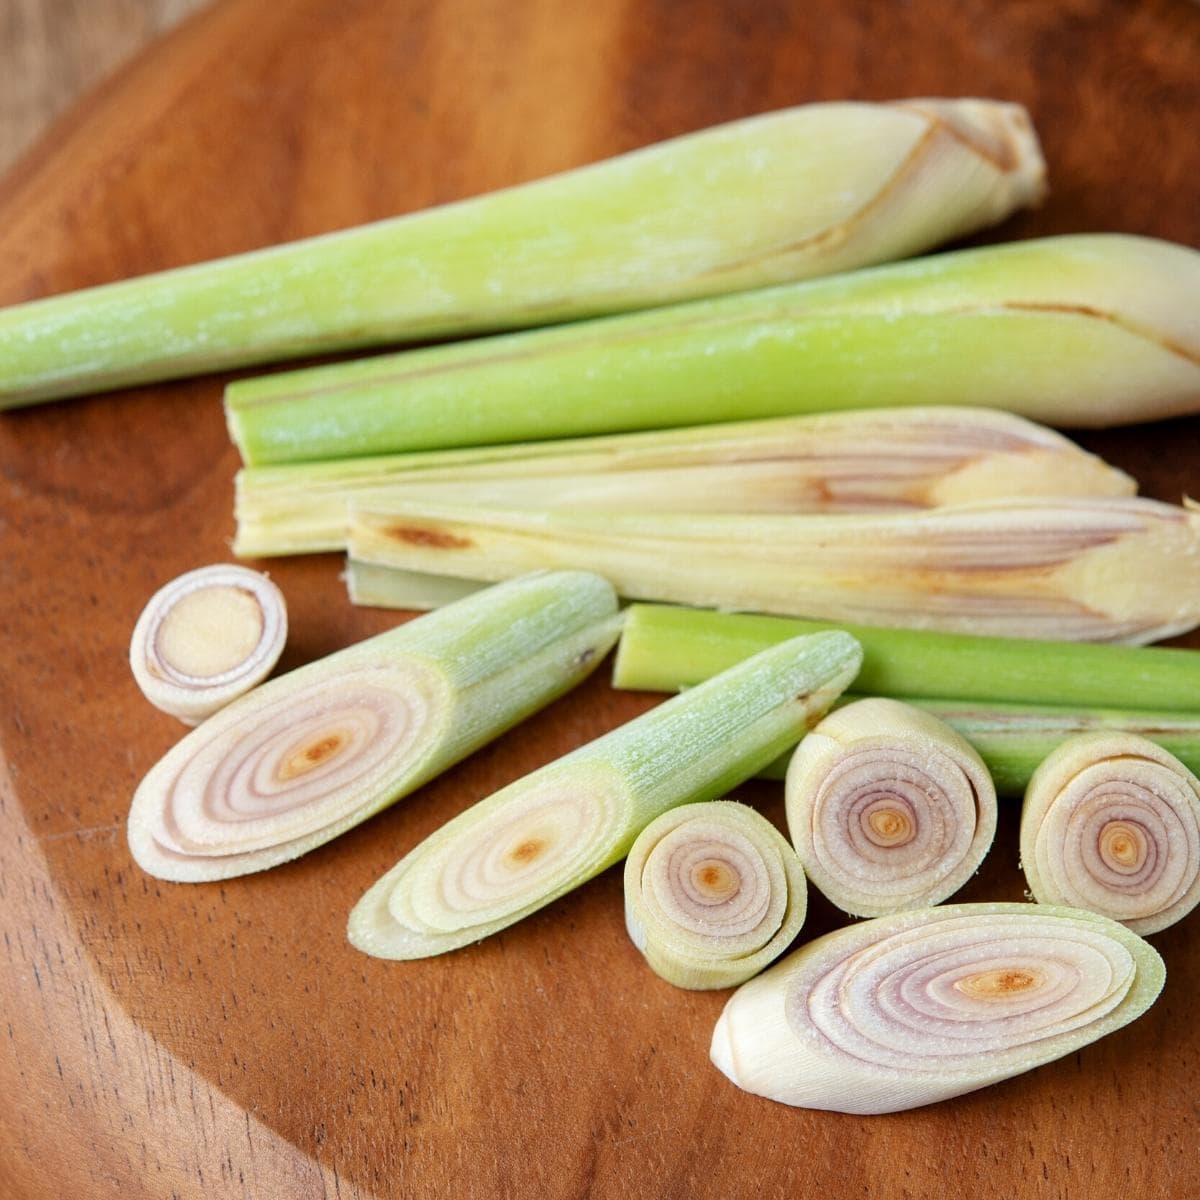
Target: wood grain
<point x="224" y="1040"/>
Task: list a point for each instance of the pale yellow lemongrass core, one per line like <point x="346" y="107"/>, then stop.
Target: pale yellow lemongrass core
<point x="209" y="631"/>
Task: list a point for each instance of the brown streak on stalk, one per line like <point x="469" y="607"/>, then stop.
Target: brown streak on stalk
<point x="1096" y="314"/>
<point x="430" y="539"/>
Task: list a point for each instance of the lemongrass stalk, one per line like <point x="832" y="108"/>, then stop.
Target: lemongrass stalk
<point x="1071" y="569"/>
<point x="921" y="1006"/>
<point x="1093" y="329"/>
<point x="313" y="753"/>
<point x="828" y="462"/>
<point x="377" y="587"/>
<point x="664" y="648"/>
<point x="1111" y="823"/>
<point x="888" y="808"/>
<point x="537" y="838"/>
<point x="207" y="637"/>
<point x="713" y="894"/>
<point x="780" y="196"/>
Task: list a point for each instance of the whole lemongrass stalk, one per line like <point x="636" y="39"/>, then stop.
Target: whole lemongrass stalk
<point x="830" y="462"/>
<point x="1081" y="330"/>
<point x="1111" y="823"/>
<point x="311" y="754"/>
<point x="888" y="808"/>
<point x="543" y="835"/>
<point x="713" y="894"/>
<point x="921" y="1006"/>
<point x="780" y="196"/>
<point x="1072" y="569"/>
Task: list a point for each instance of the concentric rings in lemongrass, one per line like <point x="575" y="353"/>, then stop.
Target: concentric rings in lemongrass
<point x="713" y="893"/>
<point x="920" y="1006"/>
<point x="888" y="807"/>
<point x="1112" y="823"/>
<point x="207" y="637"/>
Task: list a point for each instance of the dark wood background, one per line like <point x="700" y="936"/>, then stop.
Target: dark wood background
<point x="160" y="1040"/>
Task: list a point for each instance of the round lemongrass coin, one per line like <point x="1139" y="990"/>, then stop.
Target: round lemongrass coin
<point x="206" y="638"/>
<point x="1111" y="823"/>
<point x="713" y="894"/>
<point x="888" y="808"/>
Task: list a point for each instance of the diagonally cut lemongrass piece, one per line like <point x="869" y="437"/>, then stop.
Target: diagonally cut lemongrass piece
<point x="1083" y="330"/>
<point x="207" y="637"/>
<point x="784" y="195"/>
<point x="664" y="648"/>
<point x="1111" y="823"/>
<point x="888" y="808"/>
<point x="1070" y="569"/>
<point x="920" y="1006"/>
<point x="313" y="753"/>
<point x="713" y="894"/>
<point x="827" y="462"/>
<point x="533" y="841"/>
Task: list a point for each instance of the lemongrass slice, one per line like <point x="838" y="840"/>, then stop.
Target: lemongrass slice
<point x="543" y="835"/>
<point x="888" y="808"/>
<point x="1111" y="823"/>
<point x="921" y="1006"/>
<point x="312" y="753"/>
<point x="1070" y="568"/>
<point x="713" y="894"/>
<point x="206" y="638"/>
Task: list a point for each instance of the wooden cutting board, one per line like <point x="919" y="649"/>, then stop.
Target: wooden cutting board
<point x="160" y="1040"/>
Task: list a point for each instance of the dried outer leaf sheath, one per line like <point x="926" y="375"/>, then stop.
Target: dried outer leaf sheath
<point x="314" y="752"/>
<point x="803" y="191"/>
<point x="1095" y="329"/>
<point x="1111" y="823"/>
<point x="713" y="894"/>
<point x="543" y="835"/>
<point x="918" y="1007"/>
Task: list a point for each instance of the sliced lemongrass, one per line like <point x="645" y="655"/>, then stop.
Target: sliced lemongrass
<point x="888" y="808"/>
<point x="920" y="1006"/>
<point x="385" y="587"/>
<point x="826" y="462"/>
<point x="206" y="638"/>
<point x="713" y="894"/>
<point x="1071" y="569"/>
<point x="1111" y="823"/>
<point x="1092" y="329"/>
<point x="315" y="752"/>
<point x="664" y="648"/>
<point x="514" y="852"/>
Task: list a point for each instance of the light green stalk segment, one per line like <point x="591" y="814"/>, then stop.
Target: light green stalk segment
<point x="547" y="833"/>
<point x="305" y="757"/>
<point x="1080" y="330"/>
<point x="780" y="196"/>
<point x="385" y="587"/>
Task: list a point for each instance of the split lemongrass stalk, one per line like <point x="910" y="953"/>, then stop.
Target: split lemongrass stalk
<point x="1080" y="330"/>
<point x="713" y="894"/>
<point x="206" y="638"/>
<point x="888" y="808"/>
<point x="664" y="648"/>
<point x="829" y="462"/>
<point x="920" y="1006"/>
<point x="313" y="753"/>
<point x="780" y="196"/>
<point x="1111" y="823"/>
<point x="1071" y="569"/>
<point x="543" y="835"/>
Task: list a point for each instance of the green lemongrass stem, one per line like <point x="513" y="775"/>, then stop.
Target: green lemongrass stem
<point x="1111" y="823"/>
<point x="537" y="838"/>
<point x="1082" y="330"/>
<point x="827" y="462"/>
<point x="207" y="637"/>
<point x="377" y="587"/>
<point x="664" y="649"/>
<point x="312" y="753"/>
<point x="780" y="196"/>
<point x="888" y="808"/>
<point x="918" y="1007"/>
<point x="1071" y="569"/>
<point x="713" y="894"/>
